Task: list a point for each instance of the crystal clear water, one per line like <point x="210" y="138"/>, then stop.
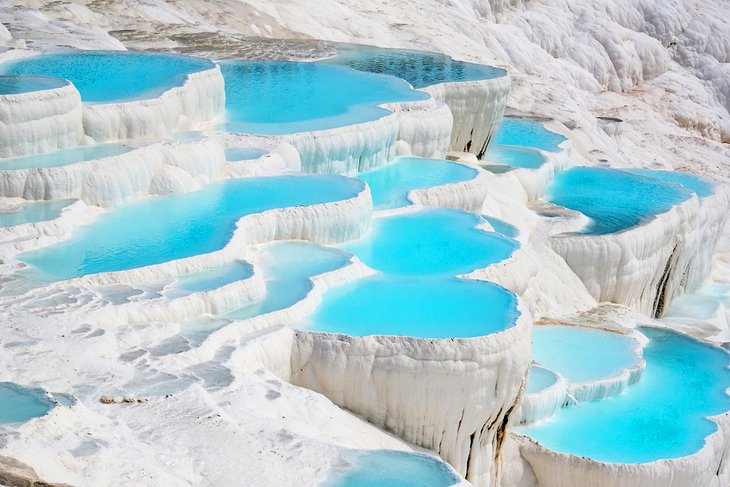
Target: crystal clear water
<point x="540" y="379"/>
<point x="514" y="156"/>
<point x="527" y="132"/>
<point x="112" y="76"/>
<point x="65" y="157"/>
<point x="613" y="199"/>
<point x="430" y="242"/>
<point x="386" y="468"/>
<point x="14" y="85"/>
<point x="390" y="184"/>
<point x="173" y="227"/>
<point x="244" y="153"/>
<point x="414" y="306"/>
<point x="284" y="97"/>
<point x="583" y="354"/>
<point x="20" y="404"/>
<point x="701" y="186"/>
<point x="40" y="211"/>
<point x="214" y="278"/>
<point x="502" y="227"/>
<point x="662" y="416"/>
<point x="419" y="68"/>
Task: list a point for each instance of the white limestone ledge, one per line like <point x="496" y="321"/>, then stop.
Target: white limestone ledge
<point x="544" y="403"/>
<point x="28" y="236"/>
<point x="464" y="195"/>
<point x="280" y="157"/>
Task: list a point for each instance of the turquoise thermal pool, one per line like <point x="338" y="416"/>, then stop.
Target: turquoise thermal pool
<point x="702" y="187"/>
<point x="502" y="227"/>
<point x="173" y="227"/>
<point x="583" y="354"/>
<point x="430" y="242"/>
<point x="244" y="153"/>
<point x="19" y="404"/>
<point x="540" y="379"/>
<point x="285" y="97"/>
<point x="419" y="68"/>
<point x="663" y="416"/>
<point x="112" y="76"/>
<point x="65" y="157"/>
<point x="389" y="468"/>
<point x="514" y="156"/>
<point x="35" y="212"/>
<point x="214" y="278"/>
<point x="418" y="307"/>
<point x="527" y="132"/>
<point x="15" y="85"/>
<point x="613" y="199"/>
<point x="391" y="184"/>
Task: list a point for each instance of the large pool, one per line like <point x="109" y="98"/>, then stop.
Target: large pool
<point x="174" y="227"/>
<point x="391" y="184"/>
<point x="112" y="76"/>
<point x="527" y="132"/>
<point x="20" y="404"/>
<point x="15" y="85"/>
<point x="35" y="212"/>
<point x="613" y="199"/>
<point x="65" y="157"/>
<point x="283" y="97"/>
<point x="662" y="416"/>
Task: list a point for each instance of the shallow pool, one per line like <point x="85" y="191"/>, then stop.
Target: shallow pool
<point x="540" y="379"/>
<point x="502" y="227"/>
<point x="284" y="97"/>
<point x="701" y="186"/>
<point x="19" y="404"/>
<point x="527" y="132"/>
<point x="388" y="468"/>
<point x="65" y="157"/>
<point x="35" y="212"/>
<point x="430" y="242"/>
<point x="213" y="278"/>
<point x="613" y="199"/>
<point x="514" y="156"/>
<point x="112" y="76"/>
<point x="235" y="154"/>
<point x="15" y="85"/>
<point x="173" y="227"/>
<point x="391" y="184"/>
<point x="662" y="416"/>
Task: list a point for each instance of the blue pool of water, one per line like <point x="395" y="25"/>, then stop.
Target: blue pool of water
<point x="514" y="156"/>
<point x="502" y="227"/>
<point x="662" y="416"/>
<point x="35" y="212"/>
<point x="214" y="278"/>
<point x="413" y="306"/>
<point x="173" y="227"/>
<point x="244" y="153"/>
<point x="14" y="85"/>
<point x="65" y="157"/>
<point x="430" y="242"/>
<point x="112" y="76"/>
<point x="284" y="97"/>
<point x="20" y="404"/>
<point x="386" y="468"/>
<point x="390" y="184"/>
<point x="419" y="68"/>
<point x="527" y="132"/>
<point x="701" y="186"/>
<point x="540" y="379"/>
<point x="613" y="199"/>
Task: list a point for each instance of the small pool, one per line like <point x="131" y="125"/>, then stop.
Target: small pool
<point x="662" y="416"/>
<point x="540" y="379"/>
<point x="19" y="404"/>
<point x="419" y="68"/>
<point x="613" y="199"/>
<point x="418" y="307"/>
<point x="702" y="187"/>
<point x="112" y="76"/>
<point x="284" y="97"/>
<point x="213" y="278"/>
<point x="236" y="154"/>
<point x="389" y="468"/>
<point x="430" y="242"/>
<point x="514" y="156"/>
<point x="35" y="212"/>
<point x="527" y="132"/>
<point x="15" y="85"/>
<point x="173" y="227"/>
<point x="65" y="157"/>
<point x="391" y="184"/>
<point x="502" y="227"/>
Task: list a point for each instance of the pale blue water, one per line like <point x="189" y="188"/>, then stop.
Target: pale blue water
<point x="702" y="187"/>
<point x="582" y="354"/>
<point x="287" y="278"/>
<point x="14" y="85"/>
<point x="173" y="227"/>
<point x="388" y="468"/>
<point x="662" y="416"/>
<point x="502" y="227"/>
<point x="414" y="306"/>
<point x="284" y="97"/>
<point x="615" y="200"/>
<point x="514" y="156"/>
<point x="215" y="277"/>
<point x="540" y="379"/>
<point x="35" y="212"/>
<point x="65" y="157"/>
<point x="390" y="184"/>
<point x="527" y="132"/>
<point x="419" y="68"/>
<point x="244" y="154"/>
<point x="19" y="404"/>
<point x="112" y="76"/>
<point x="430" y="242"/>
